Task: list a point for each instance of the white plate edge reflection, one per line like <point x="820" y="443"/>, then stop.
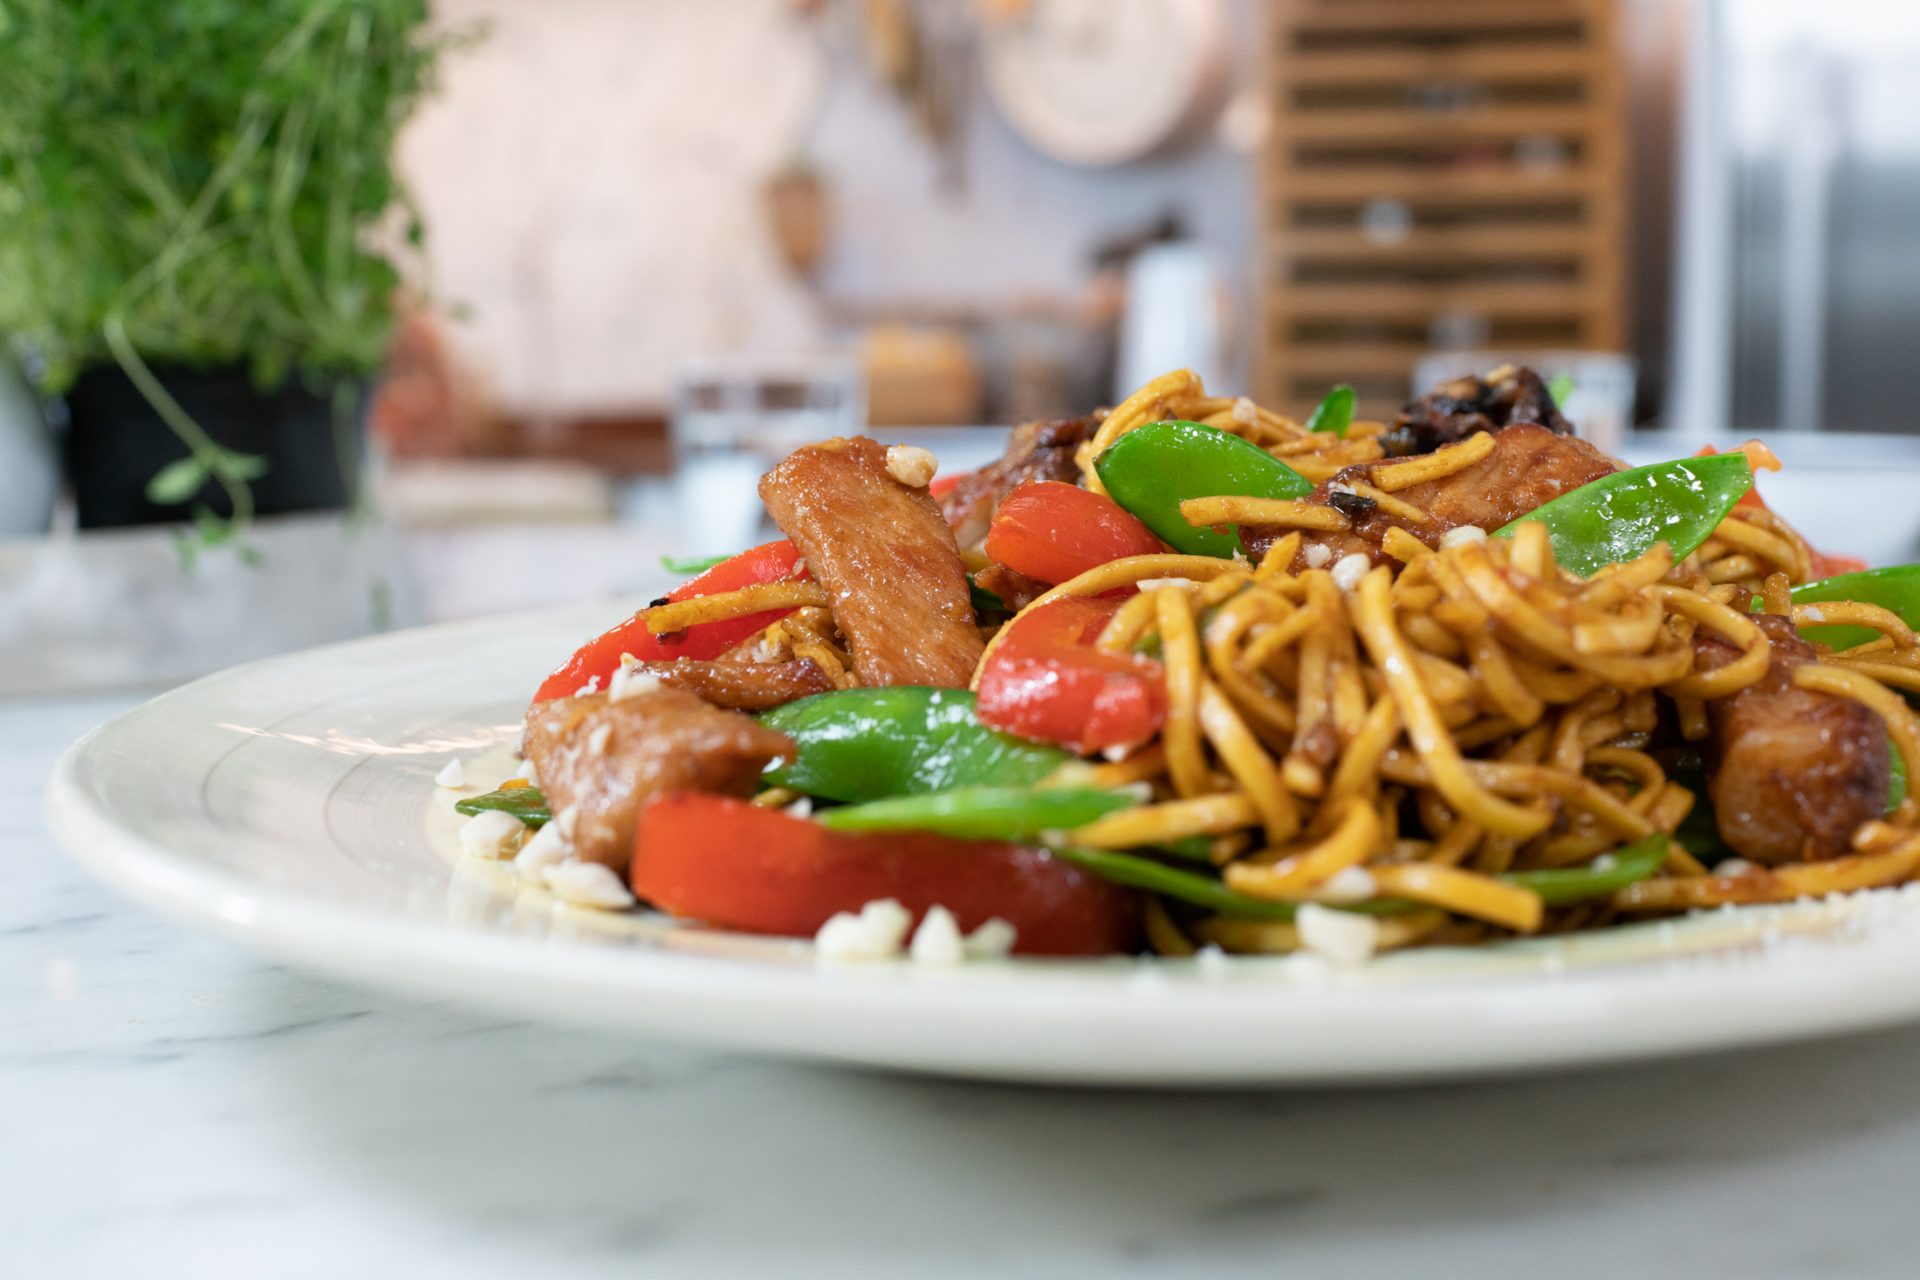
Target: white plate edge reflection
<point x="1845" y="966"/>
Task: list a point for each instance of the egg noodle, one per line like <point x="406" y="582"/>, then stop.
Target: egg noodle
<point x="1411" y="732"/>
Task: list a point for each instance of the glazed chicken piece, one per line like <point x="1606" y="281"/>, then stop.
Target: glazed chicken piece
<point x="604" y="759"/>
<point x="1507" y="397"/>
<point x="1792" y="773"/>
<point x="1529" y="466"/>
<point x="887" y="559"/>
<point x="1035" y="451"/>
<point x="743" y="686"/>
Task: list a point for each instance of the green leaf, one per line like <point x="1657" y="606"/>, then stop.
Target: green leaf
<point x="211" y="174"/>
<point x="985" y="601"/>
<point x="176" y="482"/>
<point x="692" y="564"/>
<point x="213" y="529"/>
<point x="529" y="804"/>
<point x="1335" y="412"/>
<point x="1560" y="386"/>
<point x="243" y="466"/>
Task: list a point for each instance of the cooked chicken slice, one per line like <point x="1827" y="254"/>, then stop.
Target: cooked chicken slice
<point x="1507" y="397"/>
<point x="1792" y="773"/>
<point x="1528" y="467"/>
<point x="604" y="759"/>
<point x="886" y="557"/>
<point x="743" y="686"/>
<point x="1035" y="451"/>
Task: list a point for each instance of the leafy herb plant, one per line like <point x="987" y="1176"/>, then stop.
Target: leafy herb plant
<point x="196" y="182"/>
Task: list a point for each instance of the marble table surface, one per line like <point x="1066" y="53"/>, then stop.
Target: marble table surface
<point x="171" y="1105"/>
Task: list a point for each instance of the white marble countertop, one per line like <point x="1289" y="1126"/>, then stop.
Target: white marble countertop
<point x="171" y="1105"/>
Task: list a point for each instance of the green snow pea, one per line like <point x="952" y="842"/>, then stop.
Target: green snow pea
<point x="1335" y="413"/>
<point x="529" y="804"/>
<point x="1556" y="888"/>
<point x="1896" y="589"/>
<point x="1153" y="469"/>
<point x="1563" y="885"/>
<point x="868" y="744"/>
<point x="981" y="813"/>
<point x="1199" y="888"/>
<point x="1621" y="516"/>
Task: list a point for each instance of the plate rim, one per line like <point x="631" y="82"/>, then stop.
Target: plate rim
<point x="1726" y="1002"/>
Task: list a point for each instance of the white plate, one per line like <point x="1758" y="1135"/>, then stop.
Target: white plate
<point x="290" y="804"/>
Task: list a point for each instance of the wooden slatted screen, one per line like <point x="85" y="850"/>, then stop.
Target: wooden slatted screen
<point x="1439" y="173"/>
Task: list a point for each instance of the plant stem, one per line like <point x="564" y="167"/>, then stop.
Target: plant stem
<point x="191" y="434"/>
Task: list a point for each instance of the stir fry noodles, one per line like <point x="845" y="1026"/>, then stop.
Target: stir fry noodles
<point x="1189" y="673"/>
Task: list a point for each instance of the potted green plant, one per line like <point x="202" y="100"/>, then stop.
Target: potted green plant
<point x="199" y="218"/>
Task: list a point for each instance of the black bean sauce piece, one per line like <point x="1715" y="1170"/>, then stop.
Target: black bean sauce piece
<point x="1455" y="410"/>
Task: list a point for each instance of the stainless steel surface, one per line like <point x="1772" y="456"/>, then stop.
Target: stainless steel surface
<point x="1805" y="126"/>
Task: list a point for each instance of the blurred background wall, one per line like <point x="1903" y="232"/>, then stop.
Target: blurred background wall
<point x="593" y="175"/>
<point x="666" y="240"/>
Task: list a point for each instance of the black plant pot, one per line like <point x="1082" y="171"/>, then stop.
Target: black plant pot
<point x="115" y="443"/>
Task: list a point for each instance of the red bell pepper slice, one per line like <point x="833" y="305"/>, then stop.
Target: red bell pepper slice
<point x="738" y="866"/>
<point x="1052" y="531"/>
<point x="1821" y="565"/>
<point x="1046" y="681"/>
<point x="600" y="657"/>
